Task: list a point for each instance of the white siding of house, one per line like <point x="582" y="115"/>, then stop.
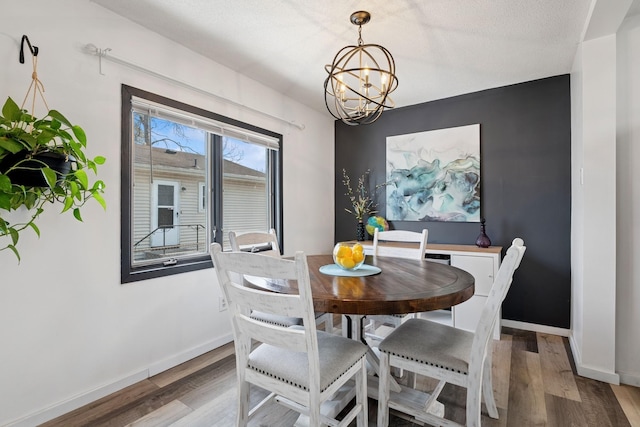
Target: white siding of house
<point x="244" y="205"/>
<point x="188" y="199"/>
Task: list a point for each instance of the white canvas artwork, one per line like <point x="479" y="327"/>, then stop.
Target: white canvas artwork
<point x="434" y="175"/>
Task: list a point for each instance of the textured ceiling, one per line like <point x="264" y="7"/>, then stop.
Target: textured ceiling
<point x="442" y="48"/>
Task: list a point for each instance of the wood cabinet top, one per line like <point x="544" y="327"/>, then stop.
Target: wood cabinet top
<point x="439" y="247"/>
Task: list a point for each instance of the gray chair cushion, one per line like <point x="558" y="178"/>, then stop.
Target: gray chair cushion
<point x="430" y="343"/>
<point x="336" y="354"/>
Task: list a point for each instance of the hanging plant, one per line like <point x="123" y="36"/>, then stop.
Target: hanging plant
<point x="42" y="162"/>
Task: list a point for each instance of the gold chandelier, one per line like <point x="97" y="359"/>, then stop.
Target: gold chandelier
<point x="360" y="80"/>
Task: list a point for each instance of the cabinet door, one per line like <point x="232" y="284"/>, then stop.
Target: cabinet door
<point x="480" y="267"/>
<point x="467" y="314"/>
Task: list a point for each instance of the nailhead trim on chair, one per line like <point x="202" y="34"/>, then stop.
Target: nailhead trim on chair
<point x="428" y="363"/>
<point x="263" y="372"/>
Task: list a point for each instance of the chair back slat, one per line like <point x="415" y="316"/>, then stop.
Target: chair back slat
<point x="400" y="236"/>
<point x="290" y="338"/>
<point x="264" y="243"/>
<point x="266" y="302"/>
<point x="231" y="269"/>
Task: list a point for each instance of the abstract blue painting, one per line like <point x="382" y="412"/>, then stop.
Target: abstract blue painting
<point x="434" y="175"/>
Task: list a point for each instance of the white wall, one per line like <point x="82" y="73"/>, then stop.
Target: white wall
<point x="596" y="184"/>
<point x="69" y="331"/>
<point x="605" y="91"/>
<point x="594" y="209"/>
<point x="628" y="203"/>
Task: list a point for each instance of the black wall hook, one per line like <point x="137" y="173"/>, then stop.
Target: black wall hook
<point x="33" y="49"/>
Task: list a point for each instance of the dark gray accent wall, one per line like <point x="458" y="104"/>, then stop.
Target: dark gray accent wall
<point x="525" y="157"/>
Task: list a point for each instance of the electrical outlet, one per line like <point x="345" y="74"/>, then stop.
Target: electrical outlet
<point x="222" y="303"/>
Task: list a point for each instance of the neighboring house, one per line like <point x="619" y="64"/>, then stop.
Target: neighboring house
<point x="170" y="187"/>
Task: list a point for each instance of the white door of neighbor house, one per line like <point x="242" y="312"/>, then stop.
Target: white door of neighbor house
<point x="164" y="213"/>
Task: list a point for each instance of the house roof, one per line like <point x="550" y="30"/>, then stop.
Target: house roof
<point x="186" y="160"/>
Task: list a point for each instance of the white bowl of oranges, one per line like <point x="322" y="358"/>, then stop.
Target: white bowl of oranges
<point x="348" y="256"/>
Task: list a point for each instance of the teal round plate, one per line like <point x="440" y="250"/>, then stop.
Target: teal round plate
<point x="363" y="270"/>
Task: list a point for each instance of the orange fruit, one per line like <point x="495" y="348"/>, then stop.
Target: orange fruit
<point x="358" y="256"/>
<point x="344" y="251"/>
<point x="347" y="262"/>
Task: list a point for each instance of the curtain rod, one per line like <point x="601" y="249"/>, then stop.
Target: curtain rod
<point x="104" y="54"/>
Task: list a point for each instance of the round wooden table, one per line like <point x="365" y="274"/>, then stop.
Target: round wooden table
<point x="403" y="286"/>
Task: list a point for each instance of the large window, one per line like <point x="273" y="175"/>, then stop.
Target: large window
<point x="189" y="177"/>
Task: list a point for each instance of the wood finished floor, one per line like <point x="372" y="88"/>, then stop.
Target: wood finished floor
<point x="534" y="379"/>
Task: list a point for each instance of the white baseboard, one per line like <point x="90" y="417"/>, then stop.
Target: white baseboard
<point x="589" y="371"/>
<point x="76" y="402"/>
<point x="544" y="329"/>
<point x="85" y="398"/>
<point x="177" y="359"/>
<point x="597" y="374"/>
<point x="629" y="378"/>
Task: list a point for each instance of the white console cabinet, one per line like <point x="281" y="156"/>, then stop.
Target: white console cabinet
<point x="483" y="264"/>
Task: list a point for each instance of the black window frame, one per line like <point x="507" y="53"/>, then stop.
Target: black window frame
<point x="130" y="273"/>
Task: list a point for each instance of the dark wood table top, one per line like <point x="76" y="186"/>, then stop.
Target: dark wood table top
<point x="403" y="286"/>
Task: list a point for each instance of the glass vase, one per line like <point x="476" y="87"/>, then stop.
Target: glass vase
<point x="483" y="240"/>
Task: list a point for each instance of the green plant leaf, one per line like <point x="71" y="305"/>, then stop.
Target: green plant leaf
<point x="77" y="151"/>
<point x="83" y="178"/>
<point x="75" y="190"/>
<point x="68" y="202"/>
<point x="35" y="228"/>
<point x="5" y="201"/>
<point x="91" y="165"/>
<point x="30" y="199"/>
<point x="5" y="183"/>
<point x="11" y="145"/>
<point x="80" y="135"/>
<point x="58" y="116"/>
<point x="100" y="200"/>
<point x="45" y="137"/>
<point x="11" y="111"/>
<point x="50" y="176"/>
<point x="99" y="160"/>
<point x="98" y="185"/>
<point x="15" y="236"/>
<point x="15" y="251"/>
<point x="76" y="213"/>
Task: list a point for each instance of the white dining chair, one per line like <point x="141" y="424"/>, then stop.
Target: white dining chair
<point x="448" y="354"/>
<point x="267" y="244"/>
<point x="300" y="366"/>
<point x="412" y="246"/>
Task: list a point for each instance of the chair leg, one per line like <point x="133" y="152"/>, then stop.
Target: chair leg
<point x="314" y="409"/>
<point x="487" y="384"/>
<point x="243" y="403"/>
<point x="474" y="397"/>
<point x="361" y="395"/>
<point x="383" y="390"/>
<point x="328" y="323"/>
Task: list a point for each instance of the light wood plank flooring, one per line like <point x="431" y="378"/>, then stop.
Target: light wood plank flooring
<point x="534" y="378"/>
